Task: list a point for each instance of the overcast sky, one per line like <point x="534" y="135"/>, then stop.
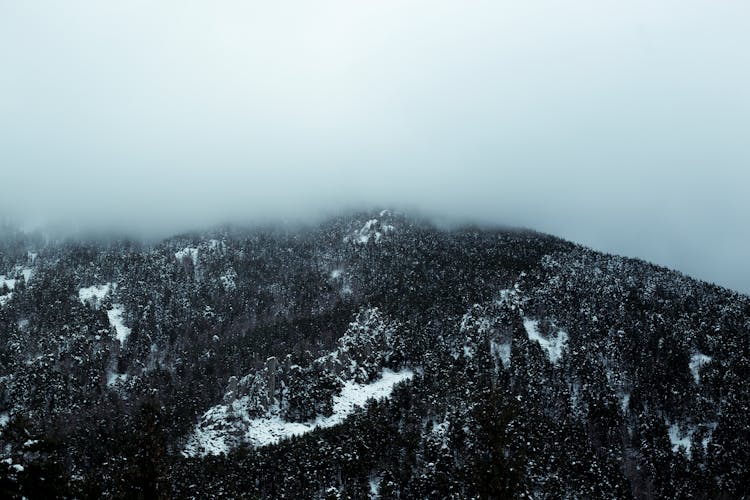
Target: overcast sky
<point x="623" y="125"/>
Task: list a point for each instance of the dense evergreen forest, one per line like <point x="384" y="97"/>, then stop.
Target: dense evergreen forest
<point x="237" y="363"/>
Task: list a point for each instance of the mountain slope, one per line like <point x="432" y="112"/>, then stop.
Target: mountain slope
<point x="240" y="362"/>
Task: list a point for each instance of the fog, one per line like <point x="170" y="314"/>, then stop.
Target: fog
<point x="620" y="125"/>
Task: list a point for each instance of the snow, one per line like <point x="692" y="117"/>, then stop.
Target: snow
<point x="115" y="319"/>
<point x="10" y="283"/>
<point x="228" y="280"/>
<point x="115" y="378"/>
<point x="510" y="296"/>
<point x="4" y="419"/>
<point x="94" y="294"/>
<point x="375" y="487"/>
<point x="501" y="351"/>
<point x="625" y="403"/>
<point x="680" y="440"/>
<point x="190" y="252"/>
<point x="554" y="346"/>
<point x="211" y="435"/>
<point x="697" y="361"/>
<point x="373" y="229"/>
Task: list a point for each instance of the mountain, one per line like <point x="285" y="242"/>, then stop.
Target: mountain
<point x="373" y="355"/>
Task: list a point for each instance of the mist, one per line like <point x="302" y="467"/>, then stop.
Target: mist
<point x="619" y="125"/>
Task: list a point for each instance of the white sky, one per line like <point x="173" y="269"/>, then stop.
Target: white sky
<point x="620" y="124"/>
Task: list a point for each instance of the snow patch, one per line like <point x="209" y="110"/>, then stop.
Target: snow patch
<point x="214" y="433"/>
<point x="681" y="437"/>
<point x="115" y="378"/>
<point x="697" y="361"/>
<point x="375" y="487"/>
<point x="502" y="351"/>
<point x="680" y="440"/>
<point x="115" y="319"/>
<point x="554" y="346"/>
<point x="625" y="403"/>
<point x="10" y="283"/>
<point x="94" y="294"/>
<point x="189" y="252"/>
<point x="372" y="230"/>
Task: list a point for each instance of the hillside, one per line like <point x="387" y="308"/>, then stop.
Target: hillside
<point x="373" y="355"/>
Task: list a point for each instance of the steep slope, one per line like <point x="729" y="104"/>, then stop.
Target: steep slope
<point x="373" y="355"/>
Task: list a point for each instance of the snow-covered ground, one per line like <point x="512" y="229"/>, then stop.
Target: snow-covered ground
<point x="372" y="230"/>
<point x="502" y="351"/>
<point x="681" y="437"/>
<point x="115" y="319"/>
<point x="10" y="283"/>
<point x="216" y="433"/>
<point x="115" y="378"/>
<point x="553" y="346"/>
<point x="680" y="440"/>
<point x="94" y="294"/>
<point x="190" y="252"/>
<point x="697" y="361"/>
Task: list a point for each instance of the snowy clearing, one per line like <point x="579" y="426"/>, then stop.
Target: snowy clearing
<point x="680" y="440"/>
<point x="94" y="294"/>
<point x="681" y="437"/>
<point x="190" y="252"/>
<point x="10" y="283"/>
<point x="554" y="346"/>
<point x="115" y="378"/>
<point x="115" y="319"/>
<point x="215" y="432"/>
<point x="502" y="351"/>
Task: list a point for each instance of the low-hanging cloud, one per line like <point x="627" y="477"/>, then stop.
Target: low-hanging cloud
<point x="618" y="125"/>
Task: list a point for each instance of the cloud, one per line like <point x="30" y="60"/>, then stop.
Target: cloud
<point x="619" y="125"/>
